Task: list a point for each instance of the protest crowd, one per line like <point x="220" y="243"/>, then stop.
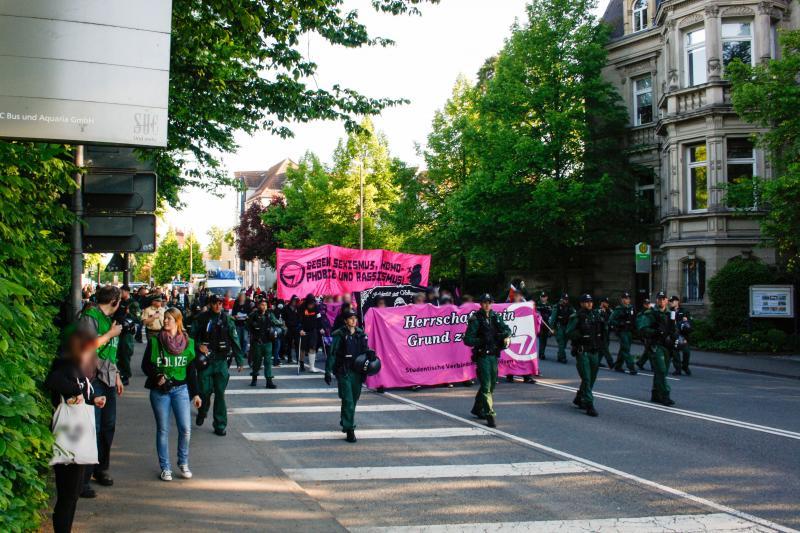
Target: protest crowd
<point x="192" y="341"/>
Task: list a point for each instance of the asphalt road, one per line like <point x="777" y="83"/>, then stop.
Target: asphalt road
<point x="726" y="457"/>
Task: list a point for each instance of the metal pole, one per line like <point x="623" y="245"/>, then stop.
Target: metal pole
<point x="361" y="203"/>
<point x="126" y="274"/>
<point x="191" y="264"/>
<point x="77" y="238"/>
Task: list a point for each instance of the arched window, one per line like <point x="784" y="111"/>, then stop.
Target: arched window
<point x="694" y="279"/>
<point x="639" y="15"/>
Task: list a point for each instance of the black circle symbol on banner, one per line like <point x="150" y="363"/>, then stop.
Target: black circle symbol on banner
<point x="292" y="274"/>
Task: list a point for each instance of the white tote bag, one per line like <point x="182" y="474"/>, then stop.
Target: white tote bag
<point x="75" y="434"/>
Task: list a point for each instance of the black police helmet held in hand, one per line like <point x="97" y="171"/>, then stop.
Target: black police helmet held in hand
<point x="367" y="363"/>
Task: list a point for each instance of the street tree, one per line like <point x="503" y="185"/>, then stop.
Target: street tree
<point x="167" y="260"/>
<point x="216" y="234"/>
<point x="768" y="95"/>
<point x="256" y="238"/>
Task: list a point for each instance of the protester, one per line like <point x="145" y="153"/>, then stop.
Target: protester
<point x="242" y="308"/>
<point x="276" y="310"/>
<point x="227" y="302"/>
<point x="518" y="297"/>
<point x="68" y="380"/>
<point x="419" y="298"/>
<point x="291" y="316"/>
<point x="107" y="382"/>
<point x="311" y="332"/>
<point x="168" y="363"/>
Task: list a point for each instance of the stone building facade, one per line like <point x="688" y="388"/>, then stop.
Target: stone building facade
<point x="667" y="59"/>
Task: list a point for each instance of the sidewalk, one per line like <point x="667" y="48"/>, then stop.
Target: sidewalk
<point x="787" y="366"/>
<point x="234" y="488"/>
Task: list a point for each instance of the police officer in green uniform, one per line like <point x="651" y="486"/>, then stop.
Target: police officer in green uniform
<point x="545" y="310"/>
<point x="645" y="357"/>
<point x="585" y="330"/>
<point x="349" y="341"/>
<point x="655" y="324"/>
<point x="605" y="314"/>
<point x="263" y="328"/>
<point x="682" y="324"/>
<point x="558" y="322"/>
<point x="214" y="334"/>
<point x="487" y="334"/>
<point x="128" y="307"/>
<point x="623" y="321"/>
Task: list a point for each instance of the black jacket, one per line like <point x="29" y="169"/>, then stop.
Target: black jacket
<point x="65" y="379"/>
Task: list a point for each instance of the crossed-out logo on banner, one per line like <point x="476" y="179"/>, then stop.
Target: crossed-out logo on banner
<point x="522" y="344"/>
<point x="292" y="274"/>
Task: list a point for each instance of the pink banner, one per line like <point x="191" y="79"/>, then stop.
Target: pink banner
<point x="424" y="345"/>
<point x="333" y="270"/>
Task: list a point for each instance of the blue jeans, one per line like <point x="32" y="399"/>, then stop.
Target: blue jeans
<point x="177" y="400"/>
<point x="244" y="337"/>
<point x="276" y="351"/>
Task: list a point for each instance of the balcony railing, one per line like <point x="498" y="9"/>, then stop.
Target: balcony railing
<point x="642" y="136"/>
<point x="689" y="101"/>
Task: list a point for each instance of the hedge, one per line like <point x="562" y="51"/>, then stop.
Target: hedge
<point x="729" y="293"/>
<point x="35" y="182"/>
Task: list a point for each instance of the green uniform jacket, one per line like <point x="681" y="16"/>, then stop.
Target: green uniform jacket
<point x="555" y="313"/>
<point x="338" y="338"/>
<point x="573" y="333"/>
<point x="256" y="323"/>
<point x="621" y="315"/>
<point x="201" y="323"/>
<point x="648" y="325"/>
<point x="471" y="337"/>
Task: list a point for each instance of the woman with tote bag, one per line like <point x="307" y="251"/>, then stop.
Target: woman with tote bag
<point x="75" y="447"/>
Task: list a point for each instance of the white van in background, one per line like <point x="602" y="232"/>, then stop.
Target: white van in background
<point x="220" y="282"/>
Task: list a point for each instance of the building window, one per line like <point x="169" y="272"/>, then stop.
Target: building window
<point x="696" y="57"/>
<point x="741" y="160"/>
<point x="694" y="280"/>
<point x="646" y="188"/>
<point x="639" y="15"/>
<point x="737" y="42"/>
<point x="643" y="101"/>
<point x="697" y="170"/>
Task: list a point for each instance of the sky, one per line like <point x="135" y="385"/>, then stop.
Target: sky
<point x="431" y="51"/>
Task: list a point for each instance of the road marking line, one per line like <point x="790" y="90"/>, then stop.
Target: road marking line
<point x="381" y="408"/>
<point x="281" y="376"/>
<point x="649" y="524"/>
<point x="658" y="486"/>
<point x="683" y="412"/>
<point x="329" y="390"/>
<point x="638" y="373"/>
<point x="542" y="468"/>
<point x="428" y="433"/>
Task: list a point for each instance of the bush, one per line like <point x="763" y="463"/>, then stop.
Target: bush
<point x="729" y="293"/>
<point x="35" y="178"/>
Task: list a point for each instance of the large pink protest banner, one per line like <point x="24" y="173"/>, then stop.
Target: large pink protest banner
<point x="333" y="270"/>
<point x="424" y="344"/>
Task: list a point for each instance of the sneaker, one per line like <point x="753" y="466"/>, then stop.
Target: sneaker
<point x="166" y="475"/>
<point x="184" y="471"/>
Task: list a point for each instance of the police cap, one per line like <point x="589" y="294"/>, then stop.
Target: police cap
<point x="349" y="314"/>
<point x="543" y="294"/>
<point x="661" y="295"/>
<point x="603" y="299"/>
<point x="214" y="299"/>
<point x="626" y="295"/>
<point x="565" y="296"/>
<point x="675" y="298"/>
<point x="486" y="298"/>
<point x="586" y="298"/>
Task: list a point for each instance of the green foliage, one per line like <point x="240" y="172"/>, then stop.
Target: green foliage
<point x="770" y="340"/>
<point x="172" y="260"/>
<point x="241" y="65"/>
<point x="729" y="293"/>
<point x="216" y="234"/>
<point x="768" y="96"/>
<point x="322" y="205"/>
<point x="36" y="179"/>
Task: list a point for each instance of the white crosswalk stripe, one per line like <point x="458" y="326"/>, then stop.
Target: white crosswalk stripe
<point x="697" y="523"/>
<point x="329" y="390"/>
<point x="541" y="468"/>
<point x="425" y="433"/>
<point x="380" y="408"/>
<point x="280" y="376"/>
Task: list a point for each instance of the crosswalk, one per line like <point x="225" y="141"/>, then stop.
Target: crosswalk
<point x="415" y="471"/>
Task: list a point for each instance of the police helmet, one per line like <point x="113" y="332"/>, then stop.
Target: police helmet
<point x="367" y="363"/>
<point x="685" y="327"/>
<point x="486" y="298"/>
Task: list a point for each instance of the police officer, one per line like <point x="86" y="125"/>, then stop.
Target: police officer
<point x="585" y="330"/>
<point x="487" y="334"/>
<point x="215" y="335"/>
<point x="349" y="341"/>
<point x="655" y="324"/>
<point x="558" y="322"/>
<point x="682" y="324"/>
<point x="545" y="310"/>
<point x="263" y="328"/>
<point x="623" y="320"/>
<point x="128" y="308"/>
<point x="645" y="357"/>
<point x="605" y="315"/>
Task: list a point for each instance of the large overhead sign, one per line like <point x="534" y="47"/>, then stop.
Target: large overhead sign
<point x="85" y="71"/>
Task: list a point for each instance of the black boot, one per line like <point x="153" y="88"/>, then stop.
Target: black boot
<point x="528" y="379"/>
<point x="490" y="421"/>
<point x="667" y="401"/>
<point x="590" y="410"/>
<point x="655" y="398"/>
<point x="640" y="365"/>
<point x="577" y="400"/>
<point x="687" y="371"/>
<point x="510" y="379"/>
<point x="351" y="436"/>
<point x="253" y="381"/>
<point x="200" y="419"/>
<point x="302" y="366"/>
<point x="270" y="384"/>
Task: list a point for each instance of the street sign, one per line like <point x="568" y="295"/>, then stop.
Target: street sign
<point x="136" y="233"/>
<point x="85" y="71"/>
<point x="644" y="258"/>
<point x="119" y="192"/>
<point x="772" y="301"/>
<point x="117" y="264"/>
